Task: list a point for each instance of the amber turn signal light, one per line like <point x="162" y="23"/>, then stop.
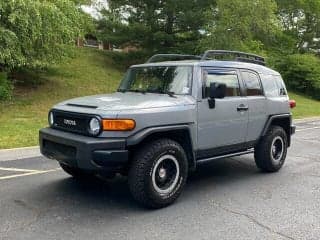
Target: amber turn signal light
<point x="118" y="124"/>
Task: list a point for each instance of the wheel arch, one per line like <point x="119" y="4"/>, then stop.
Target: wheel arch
<point x="282" y="120"/>
<point x="178" y="133"/>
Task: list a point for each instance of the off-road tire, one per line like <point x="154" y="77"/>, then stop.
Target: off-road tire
<point x="263" y="151"/>
<point x="146" y="162"/>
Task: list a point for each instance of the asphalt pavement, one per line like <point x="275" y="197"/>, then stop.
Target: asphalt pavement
<point x="224" y="199"/>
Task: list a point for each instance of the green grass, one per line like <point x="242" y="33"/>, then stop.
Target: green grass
<point x="306" y="106"/>
<point x="90" y="72"/>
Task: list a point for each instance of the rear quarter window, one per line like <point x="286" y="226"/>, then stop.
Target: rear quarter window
<point x="273" y="86"/>
<point x="281" y="86"/>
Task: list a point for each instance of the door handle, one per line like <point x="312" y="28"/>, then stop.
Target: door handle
<point x="242" y="107"/>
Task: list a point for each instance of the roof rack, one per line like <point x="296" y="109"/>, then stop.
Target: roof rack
<point x="211" y="55"/>
<point x="237" y="56"/>
<point x="172" y="57"/>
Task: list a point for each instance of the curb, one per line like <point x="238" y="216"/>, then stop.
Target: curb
<point x="309" y="119"/>
<point x="19" y="153"/>
<point x="30" y="152"/>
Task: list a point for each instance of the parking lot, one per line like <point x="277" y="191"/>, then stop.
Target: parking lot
<point x="225" y="199"/>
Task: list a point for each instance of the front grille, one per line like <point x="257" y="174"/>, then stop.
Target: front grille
<point x="71" y="122"/>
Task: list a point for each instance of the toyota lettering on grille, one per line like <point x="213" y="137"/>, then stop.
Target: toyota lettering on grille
<point x="70" y="122"/>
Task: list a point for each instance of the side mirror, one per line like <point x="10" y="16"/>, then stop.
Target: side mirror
<point x="216" y="90"/>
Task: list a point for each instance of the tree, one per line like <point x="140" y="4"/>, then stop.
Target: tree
<point x="33" y="33"/>
<point x="301" y="22"/>
<point x="242" y="25"/>
<point x="164" y="25"/>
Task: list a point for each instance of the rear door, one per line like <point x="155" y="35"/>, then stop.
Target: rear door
<point x="256" y="102"/>
<point x="226" y="124"/>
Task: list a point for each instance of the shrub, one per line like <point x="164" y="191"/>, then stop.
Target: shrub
<point x="6" y="87"/>
<point x="27" y="76"/>
<point x="125" y="60"/>
<point x="301" y="73"/>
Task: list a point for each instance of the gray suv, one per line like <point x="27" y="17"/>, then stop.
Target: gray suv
<point x="169" y="115"/>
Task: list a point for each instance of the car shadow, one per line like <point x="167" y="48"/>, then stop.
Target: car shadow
<point x="106" y="195"/>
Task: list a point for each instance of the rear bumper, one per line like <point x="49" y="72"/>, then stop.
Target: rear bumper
<point x="292" y="129"/>
<point x="93" y="154"/>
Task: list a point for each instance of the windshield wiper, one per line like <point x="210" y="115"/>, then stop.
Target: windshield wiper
<point x="137" y="91"/>
<point x="171" y="94"/>
<point x="121" y="90"/>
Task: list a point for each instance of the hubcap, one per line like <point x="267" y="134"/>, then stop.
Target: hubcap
<point x="165" y="174"/>
<point x="277" y="148"/>
<point x="162" y="173"/>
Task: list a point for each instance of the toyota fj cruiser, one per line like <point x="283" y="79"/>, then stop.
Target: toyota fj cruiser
<point x="169" y="115"/>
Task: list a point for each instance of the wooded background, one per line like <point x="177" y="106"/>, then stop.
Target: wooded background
<point x="35" y="34"/>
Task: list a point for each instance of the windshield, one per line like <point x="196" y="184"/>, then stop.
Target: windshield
<point x="158" y="79"/>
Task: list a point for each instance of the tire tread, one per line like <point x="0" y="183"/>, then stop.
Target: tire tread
<point x="262" y="150"/>
<point x="138" y="171"/>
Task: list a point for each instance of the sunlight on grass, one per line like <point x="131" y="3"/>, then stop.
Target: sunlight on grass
<point x="90" y="72"/>
<point x="306" y="106"/>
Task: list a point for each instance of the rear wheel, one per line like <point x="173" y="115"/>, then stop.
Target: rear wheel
<point x="271" y="152"/>
<point x="158" y="173"/>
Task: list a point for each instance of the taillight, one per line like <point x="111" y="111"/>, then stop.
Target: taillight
<point x="292" y="103"/>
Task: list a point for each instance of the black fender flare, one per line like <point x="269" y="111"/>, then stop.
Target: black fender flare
<point x="141" y="135"/>
<point x="275" y="117"/>
<point x="271" y="118"/>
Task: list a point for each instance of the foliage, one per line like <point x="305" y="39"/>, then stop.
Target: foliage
<point x="33" y="33"/>
<point x="5" y="87"/>
<point x="125" y="60"/>
<point x="301" y="22"/>
<point x="166" y="25"/>
<point x="260" y="26"/>
<point x="301" y="73"/>
<point x="242" y="25"/>
<point x="82" y="2"/>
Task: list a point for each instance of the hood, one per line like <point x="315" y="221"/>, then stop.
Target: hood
<point x="129" y="101"/>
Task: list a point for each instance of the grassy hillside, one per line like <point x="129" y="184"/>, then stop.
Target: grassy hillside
<point x="90" y="72"/>
<point x="306" y="106"/>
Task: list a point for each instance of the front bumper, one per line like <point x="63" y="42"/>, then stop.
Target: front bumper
<point x="93" y="154"/>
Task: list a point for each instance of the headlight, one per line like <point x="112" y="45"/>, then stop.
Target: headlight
<point x="51" y="119"/>
<point x="94" y="126"/>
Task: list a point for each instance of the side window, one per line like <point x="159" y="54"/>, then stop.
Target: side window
<point x="230" y="78"/>
<point x="281" y="86"/>
<point x="270" y="86"/>
<point x="252" y="83"/>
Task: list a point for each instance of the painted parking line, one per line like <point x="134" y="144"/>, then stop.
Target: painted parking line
<point x="27" y="172"/>
<point x="18" y="170"/>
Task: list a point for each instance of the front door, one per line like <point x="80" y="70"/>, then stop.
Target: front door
<point x="225" y="125"/>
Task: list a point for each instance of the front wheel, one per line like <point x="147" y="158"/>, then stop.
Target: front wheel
<point x="158" y="173"/>
<point x="271" y="151"/>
